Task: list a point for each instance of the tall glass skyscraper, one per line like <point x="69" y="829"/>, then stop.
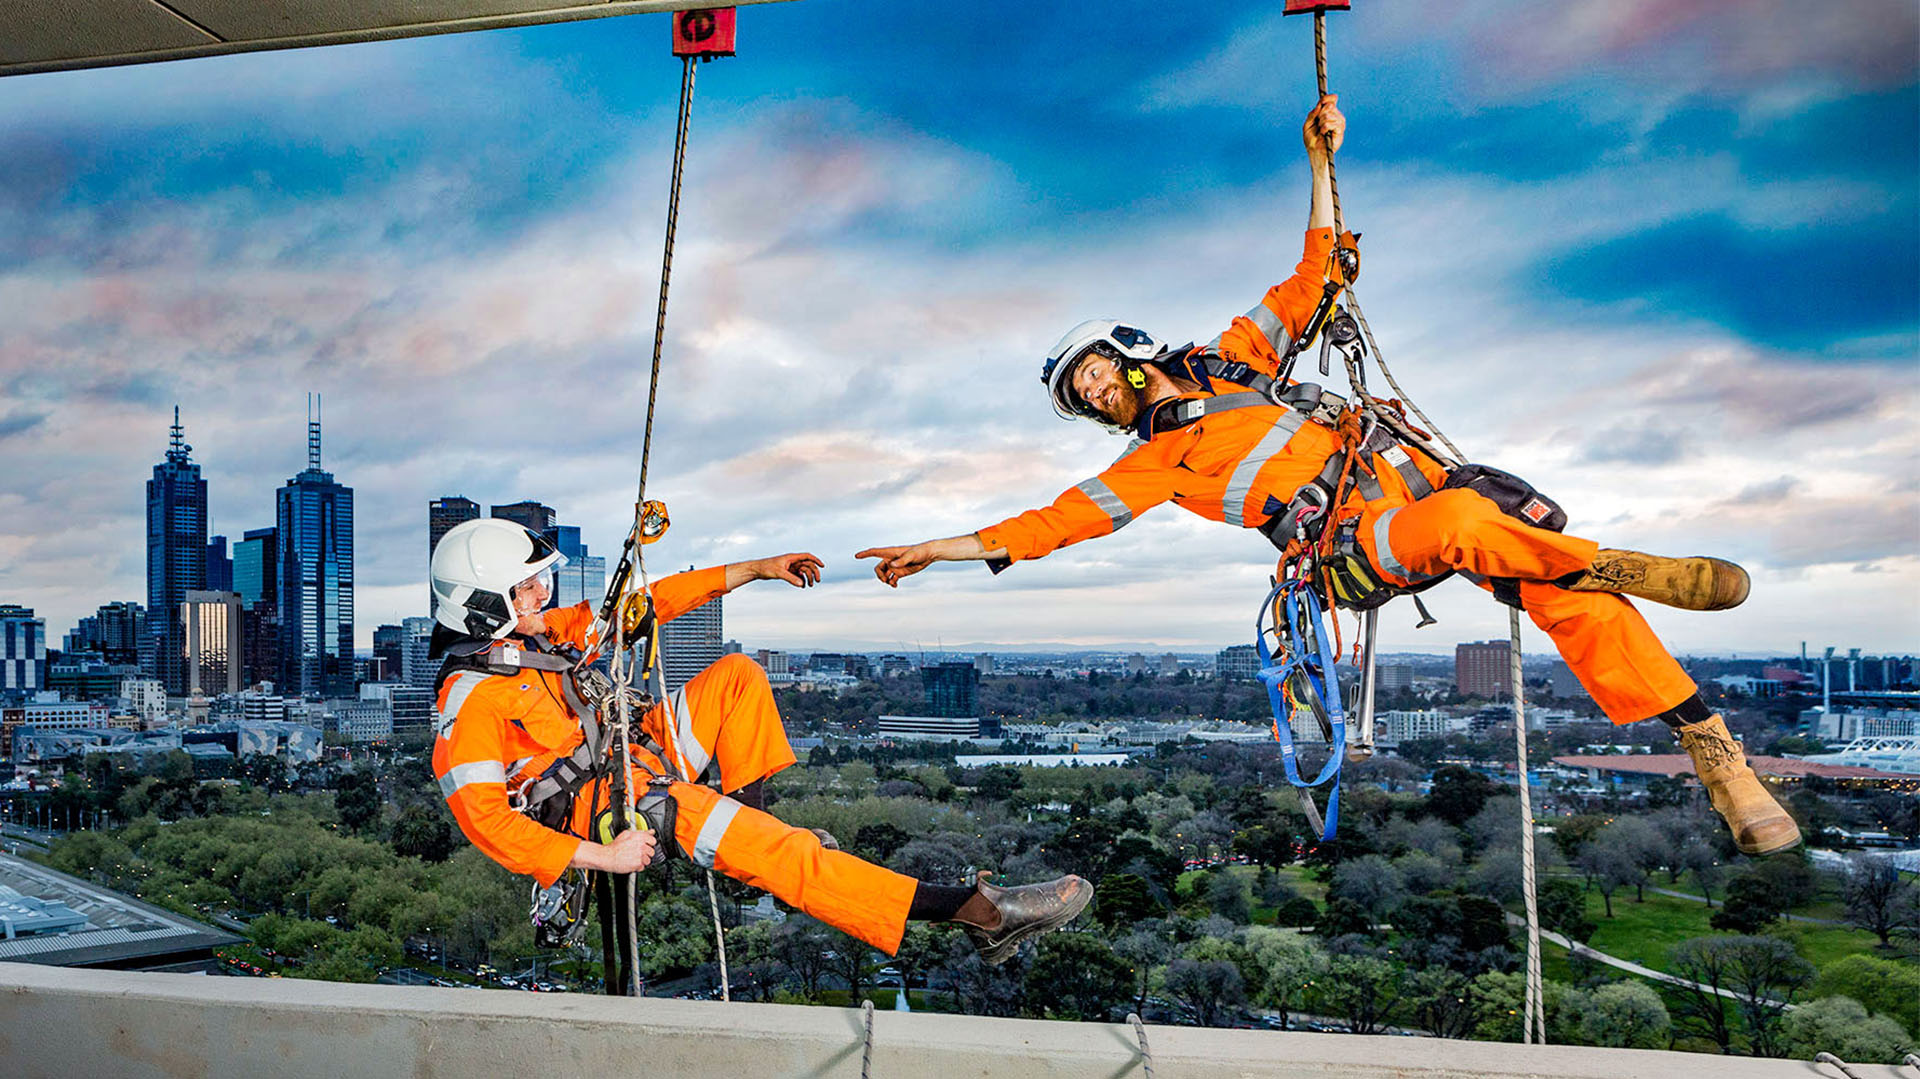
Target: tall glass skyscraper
<point x="315" y="533"/>
<point x="23" y="649"/>
<point x="176" y="556"/>
<point x="442" y="514"/>
<point x="692" y="642"/>
<point x="256" y="568"/>
<point x="584" y="577"/>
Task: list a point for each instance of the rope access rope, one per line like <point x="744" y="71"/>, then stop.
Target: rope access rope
<point x="713" y="904"/>
<point x="1534" y="1018"/>
<point x="1535" y="1010"/>
<point x="1829" y="1058"/>
<point x="866" y="1041"/>
<point x="1140" y="1032"/>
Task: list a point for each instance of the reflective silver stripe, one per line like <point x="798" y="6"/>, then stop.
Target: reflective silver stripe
<point x="693" y="755"/>
<point x="514" y="768"/>
<point x="1132" y="444"/>
<point x="1383" y="549"/>
<point x="1109" y="503"/>
<point x="1234" y="502"/>
<point x="463" y="686"/>
<point x="1262" y="316"/>
<point x="714" y="830"/>
<point x="477" y="772"/>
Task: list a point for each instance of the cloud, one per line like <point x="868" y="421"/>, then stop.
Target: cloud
<point x="20" y="421"/>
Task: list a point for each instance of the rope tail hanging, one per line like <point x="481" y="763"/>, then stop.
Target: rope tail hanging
<point x="1535" y="1017"/>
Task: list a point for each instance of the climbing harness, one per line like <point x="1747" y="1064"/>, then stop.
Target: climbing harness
<point x="1299" y="675"/>
<point x="1337" y="328"/>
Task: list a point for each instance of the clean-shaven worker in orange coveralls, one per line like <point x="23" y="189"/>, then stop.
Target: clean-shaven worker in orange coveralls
<point x="504" y="725"/>
<point x="1203" y="441"/>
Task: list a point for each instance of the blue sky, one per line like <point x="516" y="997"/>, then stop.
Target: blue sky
<point x="1664" y="260"/>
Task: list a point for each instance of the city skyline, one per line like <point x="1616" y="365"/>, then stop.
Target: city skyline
<point x="872" y="263"/>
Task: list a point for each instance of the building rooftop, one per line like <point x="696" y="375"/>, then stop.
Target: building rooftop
<point x="91" y="1022"/>
<point x="1679" y="764"/>
<point x="115" y="930"/>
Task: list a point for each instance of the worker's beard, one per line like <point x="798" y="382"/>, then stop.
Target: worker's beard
<point x="1127" y="401"/>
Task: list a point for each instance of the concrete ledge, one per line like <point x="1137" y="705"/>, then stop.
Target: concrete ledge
<point x="63" y="1022"/>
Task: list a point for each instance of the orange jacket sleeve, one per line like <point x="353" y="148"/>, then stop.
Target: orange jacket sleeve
<point x="676" y="595"/>
<point x="1140" y="480"/>
<point x="1254" y="338"/>
<point x="672" y="597"/>
<point x="472" y="767"/>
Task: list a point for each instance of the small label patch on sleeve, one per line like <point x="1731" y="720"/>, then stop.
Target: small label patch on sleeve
<point x="1535" y="510"/>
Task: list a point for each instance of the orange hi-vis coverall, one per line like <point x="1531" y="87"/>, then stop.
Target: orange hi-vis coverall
<point x="498" y="732"/>
<point x="1244" y="464"/>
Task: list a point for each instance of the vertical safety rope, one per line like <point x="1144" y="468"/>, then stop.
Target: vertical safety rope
<point x="1535" y="1018"/>
<point x="666" y="264"/>
<point x="719" y="939"/>
<point x="866" y="1041"/>
<point x="1140" y="1032"/>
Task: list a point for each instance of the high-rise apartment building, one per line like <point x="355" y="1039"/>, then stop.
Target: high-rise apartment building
<point x="256" y="577"/>
<point x="1480" y="669"/>
<point x="176" y="557"/>
<point x="950" y="689"/>
<point x="691" y="643"/>
<point x="219" y="565"/>
<point x="529" y="515"/>
<point x="315" y="529"/>
<point x="442" y="514"/>
<point x="23" y="649"/>
<point x="584" y="577"/>
<point x="416" y="639"/>
<point x="1237" y="663"/>
<point x="386" y="649"/>
<point x="215" y="653"/>
<point x="112" y="632"/>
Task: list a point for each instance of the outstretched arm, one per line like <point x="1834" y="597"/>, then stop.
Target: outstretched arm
<point x="1259" y="336"/>
<point x="800" y="570"/>
<point x="900" y="562"/>
<point x="1323" y="132"/>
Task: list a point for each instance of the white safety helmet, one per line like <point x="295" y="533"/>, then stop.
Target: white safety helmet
<point x="475" y="568"/>
<point x="1126" y="345"/>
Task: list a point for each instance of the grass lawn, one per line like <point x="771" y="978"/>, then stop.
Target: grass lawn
<point x="1646" y="933"/>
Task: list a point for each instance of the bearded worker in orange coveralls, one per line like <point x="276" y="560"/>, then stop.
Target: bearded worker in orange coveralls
<point x="1219" y="431"/>
<point x="510" y="759"/>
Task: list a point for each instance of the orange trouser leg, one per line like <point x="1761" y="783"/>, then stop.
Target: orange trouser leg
<point x="724" y="718"/>
<point x="1604" y="639"/>
<point x="852" y="895"/>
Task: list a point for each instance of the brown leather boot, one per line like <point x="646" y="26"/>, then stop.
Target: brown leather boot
<point x="1018" y="913"/>
<point x="1759" y="825"/>
<point x="1695" y="584"/>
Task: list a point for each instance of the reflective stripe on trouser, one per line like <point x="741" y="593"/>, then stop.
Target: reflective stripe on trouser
<point x="724" y="715"/>
<point x="844" y="891"/>
<point x="1605" y="641"/>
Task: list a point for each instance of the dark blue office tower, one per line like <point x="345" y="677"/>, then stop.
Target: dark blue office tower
<point x="315" y="535"/>
<point x="176" y="557"/>
<point x="219" y="566"/>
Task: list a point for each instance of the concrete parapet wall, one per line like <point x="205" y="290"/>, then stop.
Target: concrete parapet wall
<point x="64" y="1022"/>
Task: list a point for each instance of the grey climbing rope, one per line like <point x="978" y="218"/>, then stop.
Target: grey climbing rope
<point x="719" y="939"/>
<point x="1829" y="1058"/>
<point x="1534" y="1019"/>
<point x="1140" y="1032"/>
<point x="866" y="1044"/>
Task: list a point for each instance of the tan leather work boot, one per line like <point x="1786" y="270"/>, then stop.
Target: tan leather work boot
<point x="1759" y="825"/>
<point x="1025" y="911"/>
<point x="1695" y="584"/>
